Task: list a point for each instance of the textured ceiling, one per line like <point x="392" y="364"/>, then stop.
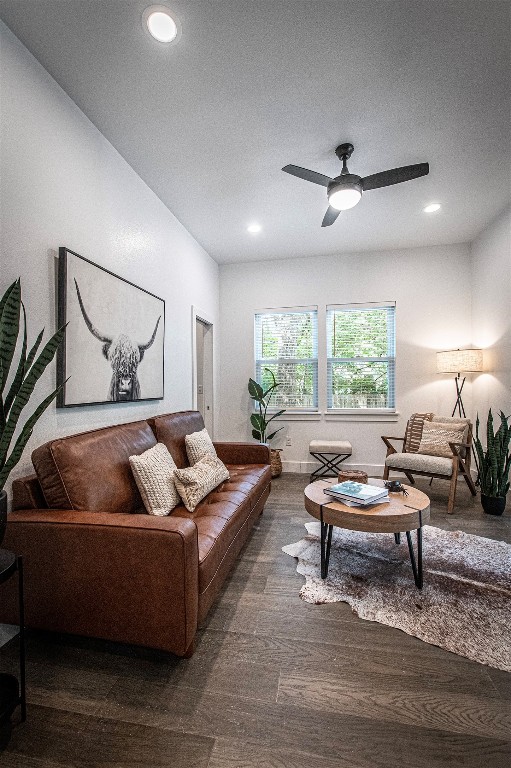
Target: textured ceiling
<point x="256" y="84"/>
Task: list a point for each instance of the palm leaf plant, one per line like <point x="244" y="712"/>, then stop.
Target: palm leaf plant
<point x="494" y="463"/>
<point x="259" y="421"/>
<point x="18" y="379"/>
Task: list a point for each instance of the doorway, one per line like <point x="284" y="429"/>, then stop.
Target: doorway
<point x="203" y="384"/>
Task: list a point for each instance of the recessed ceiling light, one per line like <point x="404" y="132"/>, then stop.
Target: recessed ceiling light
<point x="161" y="24"/>
<point x="432" y="208"/>
<point x="254" y="228"/>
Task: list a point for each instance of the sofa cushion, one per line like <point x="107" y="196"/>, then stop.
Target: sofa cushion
<point x="223" y="513"/>
<point x="91" y="471"/>
<point x="437" y="435"/>
<point x="153" y="471"/>
<point x="194" y="483"/>
<point x="171" y="430"/>
<point x="251" y="479"/>
<point x="198" y="445"/>
<point x="419" y="462"/>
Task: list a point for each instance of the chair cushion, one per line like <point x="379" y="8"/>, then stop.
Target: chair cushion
<point x="198" y="445"/>
<point x="194" y="483"/>
<point x="330" y="446"/>
<point x="419" y="462"/>
<point x="153" y="471"/>
<point x="437" y="435"/>
<point x="413" y="431"/>
<point x="451" y="419"/>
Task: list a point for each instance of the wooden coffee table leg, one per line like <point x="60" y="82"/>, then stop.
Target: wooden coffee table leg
<point x="416" y="566"/>
<point x="326" y="543"/>
<point x="397" y="537"/>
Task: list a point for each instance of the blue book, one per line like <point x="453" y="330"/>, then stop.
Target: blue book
<point x="361" y="493"/>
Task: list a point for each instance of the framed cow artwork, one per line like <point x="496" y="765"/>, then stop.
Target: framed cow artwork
<point x="114" y="346"/>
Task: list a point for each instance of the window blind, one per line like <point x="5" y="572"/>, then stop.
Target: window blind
<point x="361" y="356"/>
<point x="286" y="342"/>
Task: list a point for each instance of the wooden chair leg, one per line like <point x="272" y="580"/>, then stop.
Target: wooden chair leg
<point x="471" y="484"/>
<point x="452" y="488"/>
<point x="386" y="473"/>
<point x="410" y="477"/>
<point x="468" y="479"/>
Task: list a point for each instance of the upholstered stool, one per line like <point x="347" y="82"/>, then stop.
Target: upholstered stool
<point x="330" y="453"/>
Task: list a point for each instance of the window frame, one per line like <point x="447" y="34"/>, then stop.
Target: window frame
<point x="389" y="358"/>
<point x="259" y="363"/>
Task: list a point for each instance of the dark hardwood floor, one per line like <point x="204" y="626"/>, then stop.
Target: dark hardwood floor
<point x="274" y="683"/>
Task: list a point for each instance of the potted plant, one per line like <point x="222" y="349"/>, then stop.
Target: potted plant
<point x="17" y="383"/>
<point x="260" y="422"/>
<point x="494" y="464"/>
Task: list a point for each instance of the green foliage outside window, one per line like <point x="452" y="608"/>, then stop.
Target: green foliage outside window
<point x="286" y="350"/>
<point x="358" y="340"/>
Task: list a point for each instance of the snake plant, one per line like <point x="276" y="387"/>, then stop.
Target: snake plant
<point x="22" y="379"/>
<point x="262" y="398"/>
<point x="494" y="463"/>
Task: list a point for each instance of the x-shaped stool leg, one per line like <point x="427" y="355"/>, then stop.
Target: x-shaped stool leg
<point x="329" y="466"/>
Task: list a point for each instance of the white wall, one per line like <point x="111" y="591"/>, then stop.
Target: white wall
<point x="491" y="315"/>
<point x="62" y="183"/>
<point x="432" y="289"/>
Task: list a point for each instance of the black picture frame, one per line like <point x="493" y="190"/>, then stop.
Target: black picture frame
<point x="108" y="336"/>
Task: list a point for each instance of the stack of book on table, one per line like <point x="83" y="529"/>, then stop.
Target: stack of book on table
<point x="357" y="494"/>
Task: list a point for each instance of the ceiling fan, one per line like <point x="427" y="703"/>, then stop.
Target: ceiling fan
<point x="344" y="191"/>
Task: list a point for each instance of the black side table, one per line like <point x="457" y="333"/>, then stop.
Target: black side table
<point x="9" y="564"/>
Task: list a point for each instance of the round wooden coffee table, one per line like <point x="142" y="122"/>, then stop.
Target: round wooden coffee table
<point x="401" y="514"/>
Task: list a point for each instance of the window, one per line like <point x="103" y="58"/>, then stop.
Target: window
<point x="286" y="342"/>
<point x="361" y="352"/>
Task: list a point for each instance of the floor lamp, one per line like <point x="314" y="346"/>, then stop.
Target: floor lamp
<point x="459" y="361"/>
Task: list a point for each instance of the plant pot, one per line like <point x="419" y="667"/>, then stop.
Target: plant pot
<point x="3" y="514"/>
<point x="493" y="505"/>
<point x="9" y="697"/>
<point x="275" y="462"/>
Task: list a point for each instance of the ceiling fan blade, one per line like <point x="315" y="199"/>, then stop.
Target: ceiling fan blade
<point x="395" y="176"/>
<point x="330" y="216"/>
<point x="303" y="173"/>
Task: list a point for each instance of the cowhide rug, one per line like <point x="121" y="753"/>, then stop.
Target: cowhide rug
<point x="464" y="606"/>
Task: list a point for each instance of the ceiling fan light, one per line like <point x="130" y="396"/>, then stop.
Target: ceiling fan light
<point x="344" y="198"/>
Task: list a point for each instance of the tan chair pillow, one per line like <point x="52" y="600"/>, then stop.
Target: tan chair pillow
<point x="437" y="435"/>
<point x="153" y="471"/>
<point x="194" y="483"/>
<point x="198" y="445"/>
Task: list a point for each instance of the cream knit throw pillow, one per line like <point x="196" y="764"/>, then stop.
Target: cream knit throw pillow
<point x="194" y="483"/>
<point x="198" y="445"/>
<point x="437" y="435"/>
<point x="153" y="471"/>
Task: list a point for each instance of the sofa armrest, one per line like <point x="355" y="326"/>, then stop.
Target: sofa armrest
<point x="243" y="453"/>
<point x="27" y="493"/>
<point x="131" y="578"/>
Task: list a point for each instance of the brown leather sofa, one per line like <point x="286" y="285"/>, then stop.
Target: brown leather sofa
<point x="97" y="565"/>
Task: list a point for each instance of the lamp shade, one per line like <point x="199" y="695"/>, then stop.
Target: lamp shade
<point x="459" y="360"/>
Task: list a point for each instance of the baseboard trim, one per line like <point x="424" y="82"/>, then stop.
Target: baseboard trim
<point x="307" y="467"/>
<point x="373" y="470"/>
